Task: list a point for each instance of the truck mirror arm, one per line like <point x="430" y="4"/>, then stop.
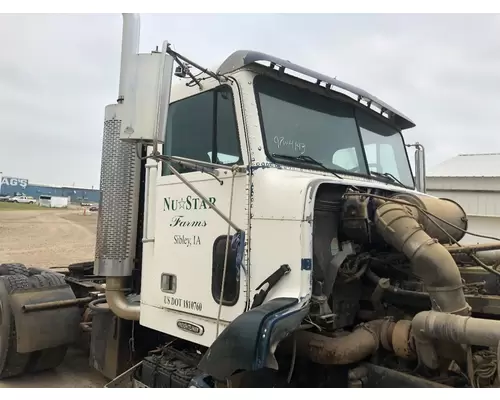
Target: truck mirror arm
<point x="184" y="70"/>
<point x="190" y="164"/>
<point x="168" y="159"/>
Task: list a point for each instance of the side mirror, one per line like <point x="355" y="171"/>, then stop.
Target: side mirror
<point x="419" y="166"/>
<point x="145" y="107"/>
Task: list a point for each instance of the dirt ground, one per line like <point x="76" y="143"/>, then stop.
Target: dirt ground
<point x="51" y="238"/>
<point x="74" y="372"/>
<point x="47" y="238"/>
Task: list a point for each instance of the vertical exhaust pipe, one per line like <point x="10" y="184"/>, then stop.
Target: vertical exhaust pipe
<point x="130" y="47"/>
<point x="120" y="185"/>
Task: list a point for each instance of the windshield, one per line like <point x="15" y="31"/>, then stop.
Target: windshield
<point x="298" y="122"/>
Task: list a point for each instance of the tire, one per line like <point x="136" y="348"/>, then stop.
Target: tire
<point x="45" y="359"/>
<point x="12" y="363"/>
<point x="13" y="269"/>
<point x="47" y="279"/>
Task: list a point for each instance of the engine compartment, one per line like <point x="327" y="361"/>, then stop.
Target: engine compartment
<point x="392" y="287"/>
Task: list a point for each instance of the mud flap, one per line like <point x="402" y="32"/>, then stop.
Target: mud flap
<point x="248" y="343"/>
<point x="44" y="329"/>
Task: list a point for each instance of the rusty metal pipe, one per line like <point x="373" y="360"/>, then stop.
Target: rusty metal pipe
<point x="117" y="301"/>
<point x="353" y="347"/>
<point x="488" y="257"/>
<point x="473" y="248"/>
<point x="465" y="260"/>
<point x="86" y="326"/>
<point x="429" y="259"/>
<point x="488" y="253"/>
<point x="50" y="305"/>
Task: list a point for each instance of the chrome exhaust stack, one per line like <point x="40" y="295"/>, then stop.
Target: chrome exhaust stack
<point x="120" y="186"/>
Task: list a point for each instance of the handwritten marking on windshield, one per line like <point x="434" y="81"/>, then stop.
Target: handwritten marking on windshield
<point x="281" y="141"/>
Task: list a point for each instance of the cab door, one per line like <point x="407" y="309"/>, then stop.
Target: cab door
<point x="190" y="237"/>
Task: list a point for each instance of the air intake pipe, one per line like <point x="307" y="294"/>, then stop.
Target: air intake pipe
<point x="429" y="259"/>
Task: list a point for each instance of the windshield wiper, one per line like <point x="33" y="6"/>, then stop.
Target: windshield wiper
<point x="390" y="177"/>
<point x="307" y="159"/>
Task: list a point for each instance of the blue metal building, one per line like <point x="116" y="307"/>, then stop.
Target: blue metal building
<point x="12" y="186"/>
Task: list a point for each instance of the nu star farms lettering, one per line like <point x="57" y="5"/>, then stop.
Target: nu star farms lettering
<point x="188" y="203"/>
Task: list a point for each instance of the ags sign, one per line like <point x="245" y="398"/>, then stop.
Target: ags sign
<point x="14" y="182"/>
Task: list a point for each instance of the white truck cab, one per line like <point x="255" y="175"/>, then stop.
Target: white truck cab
<point x="243" y="206"/>
<point x="289" y="137"/>
<point x="260" y="226"/>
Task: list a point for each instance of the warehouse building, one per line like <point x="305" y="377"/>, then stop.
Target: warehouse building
<point x="473" y="181"/>
<point x="20" y="186"/>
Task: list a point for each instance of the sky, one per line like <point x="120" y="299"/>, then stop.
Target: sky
<point x="59" y="71"/>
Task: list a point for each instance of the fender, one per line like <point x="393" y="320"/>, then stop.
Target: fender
<point x="249" y="342"/>
<point x="44" y="329"/>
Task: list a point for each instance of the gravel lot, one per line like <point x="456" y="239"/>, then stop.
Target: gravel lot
<point x="74" y="372"/>
<point x="51" y="238"/>
<point x="47" y="238"/>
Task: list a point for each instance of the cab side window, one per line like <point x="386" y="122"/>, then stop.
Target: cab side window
<point x="203" y="127"/>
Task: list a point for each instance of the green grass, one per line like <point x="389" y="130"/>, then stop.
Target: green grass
<point x="4" y="206"/>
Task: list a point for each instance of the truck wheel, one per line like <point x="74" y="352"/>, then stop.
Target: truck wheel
<point x="47" y="358"/>
<point x="13" y="269"/>
<point x="47" y="279"/>
<point x="12" y="363"/>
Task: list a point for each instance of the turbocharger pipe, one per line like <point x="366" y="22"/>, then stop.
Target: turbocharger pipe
<point x="429" y="259"/>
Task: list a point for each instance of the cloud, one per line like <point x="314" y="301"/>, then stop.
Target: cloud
<point x="57" y="73"/>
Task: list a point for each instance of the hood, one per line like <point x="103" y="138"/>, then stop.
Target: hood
<point x="291" y="187"/>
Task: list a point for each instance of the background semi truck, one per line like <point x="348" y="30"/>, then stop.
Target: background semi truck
<point x="260" y="226"/>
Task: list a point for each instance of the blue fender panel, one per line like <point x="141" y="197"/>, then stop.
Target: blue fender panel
<point x="245" y="344"/>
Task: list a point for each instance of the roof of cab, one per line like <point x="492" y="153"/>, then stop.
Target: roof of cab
<point x="242" y="58"/>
